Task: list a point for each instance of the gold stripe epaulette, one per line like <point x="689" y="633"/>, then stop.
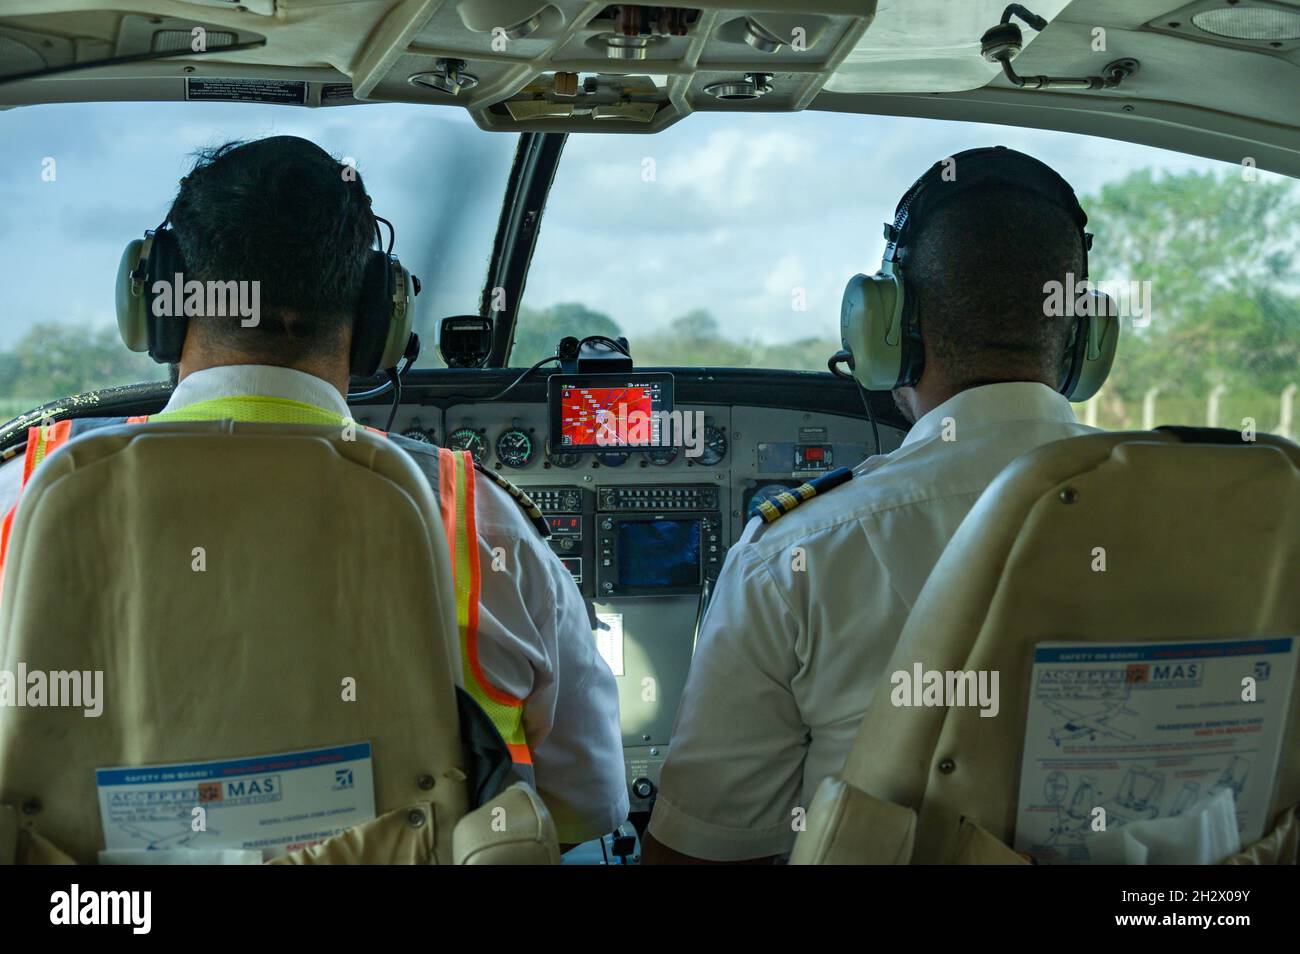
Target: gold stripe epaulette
<point x="778" y="506"/>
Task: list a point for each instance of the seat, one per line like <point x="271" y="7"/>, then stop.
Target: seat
<point x="246" y="590"/>
<point x="1201" y="538"/>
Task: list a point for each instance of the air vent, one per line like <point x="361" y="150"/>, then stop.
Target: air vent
<point x="449" y="77"/>
<point x="165" y="41"/>
<point x="1255" y="24"/>
<point x="753" y="86"/>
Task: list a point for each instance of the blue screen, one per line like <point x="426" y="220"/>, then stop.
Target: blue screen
<point x="659" y="552"/>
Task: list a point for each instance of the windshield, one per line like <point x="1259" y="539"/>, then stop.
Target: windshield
<point x="724" y="241"/>
<point x="727" y="240"/>
<point x="77" y="182"/>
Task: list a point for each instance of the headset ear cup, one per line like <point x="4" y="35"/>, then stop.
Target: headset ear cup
<point x="1101" y="339"/>
<point x="401" y="316"/>
<point x="383" y="326"/>
<point x="166" y="330"/>
<point x="871" y="319"/>
<point x="132" y="323"/>
<point x="369" y="330"/>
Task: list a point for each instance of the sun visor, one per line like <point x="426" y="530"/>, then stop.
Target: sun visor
<point x="928" y="46"/>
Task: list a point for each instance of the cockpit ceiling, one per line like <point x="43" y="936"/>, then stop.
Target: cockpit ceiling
<point x="1214" y="77"/>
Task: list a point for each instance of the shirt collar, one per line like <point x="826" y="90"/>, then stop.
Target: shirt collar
<point x="261" y="380"/>
<point x="993" y="404"/>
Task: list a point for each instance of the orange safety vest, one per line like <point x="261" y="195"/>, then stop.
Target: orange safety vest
<point x="451" y="474"/>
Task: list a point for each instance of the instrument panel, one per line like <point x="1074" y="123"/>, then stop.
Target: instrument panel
<point x="644" y="533"/>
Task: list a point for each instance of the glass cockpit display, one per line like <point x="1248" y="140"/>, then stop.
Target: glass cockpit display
<point x="659" y="553"/>
<point x="598" y="412"/>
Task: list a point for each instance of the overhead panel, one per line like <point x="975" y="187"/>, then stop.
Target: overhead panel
<point x="1216" y="77"/>
<point x="547" y="64"/>
<point x="927" y="46"/>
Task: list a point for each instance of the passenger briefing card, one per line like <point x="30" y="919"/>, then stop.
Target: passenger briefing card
<point x="1146" y="730"/>
<point x="273" y="804"/>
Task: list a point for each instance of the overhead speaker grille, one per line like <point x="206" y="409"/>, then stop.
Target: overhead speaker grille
<point x="1260" y="24"/>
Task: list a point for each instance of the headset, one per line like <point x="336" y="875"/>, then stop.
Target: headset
<point x="381" y="332"/>
<point x="879" y="326"/>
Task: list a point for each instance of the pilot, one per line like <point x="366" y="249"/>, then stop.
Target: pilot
<point x="284" y="213"/>
<point x="813" y="598"/>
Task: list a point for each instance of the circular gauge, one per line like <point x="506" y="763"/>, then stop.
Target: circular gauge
<point x="515" y="448"/>
<point x="715" y="446"/>
<point x="661" y="456"/>
<point x="466" y="438"/>
<point x="563" y="458"/>
<point x="417" y="433"/>
<point x="613" y="458"/>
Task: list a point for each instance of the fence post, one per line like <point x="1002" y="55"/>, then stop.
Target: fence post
<point x="1212" y="408"/>
<point x="1149" y="409"/>
<point x="1288" y="409"/>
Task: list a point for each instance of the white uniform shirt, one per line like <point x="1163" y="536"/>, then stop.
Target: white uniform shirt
<point x="794" y="645"/>
<point x="535" y="638"/>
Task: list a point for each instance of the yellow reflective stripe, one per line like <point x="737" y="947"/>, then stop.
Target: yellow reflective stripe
<point x="42" y="440"/>
<point x="252" y="409"/>
<point x="460" y="557"/>
<point x="38" y="453"/>
<point x="506" y="713"/>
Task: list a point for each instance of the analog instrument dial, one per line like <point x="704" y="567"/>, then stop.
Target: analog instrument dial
<point x="467" y="438"/>
<point x="417" y="433"/>
<point x="715" y="447"/>
<point x="515" y="448"/>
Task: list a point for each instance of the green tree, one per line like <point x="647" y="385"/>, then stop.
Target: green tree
<point x="537" y="332"/>
<point x="693" y="339"/>
<point x="697" y="339"/>
<point x="1220" y="254"/>
<point x="52" y="361"/>
<point x="802" y="354"/>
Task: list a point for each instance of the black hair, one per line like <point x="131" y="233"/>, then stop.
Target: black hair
<point x="978" y="266"/>
<point x="283" y="213"/>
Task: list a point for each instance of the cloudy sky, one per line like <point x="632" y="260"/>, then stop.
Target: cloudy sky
<point x="736" y="214"/>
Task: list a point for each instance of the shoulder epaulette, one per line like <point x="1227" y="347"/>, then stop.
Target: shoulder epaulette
<point x="525" y="502"/>
<point x="784" y="502"/>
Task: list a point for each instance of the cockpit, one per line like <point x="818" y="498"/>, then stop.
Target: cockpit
<point x="866" y="578"/>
